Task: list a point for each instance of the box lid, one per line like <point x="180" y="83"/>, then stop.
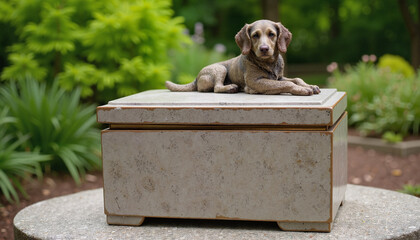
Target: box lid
<point x="160" y="107"/>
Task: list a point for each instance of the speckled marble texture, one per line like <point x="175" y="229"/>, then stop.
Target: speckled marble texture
<point x="281" y="176"/>
<point x="368" y="213"/>
<point x="167" y="98"/>
<point x="164" y="107"/>
<point x="294" y="175"/>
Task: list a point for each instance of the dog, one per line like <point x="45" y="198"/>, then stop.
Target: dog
<point x="258" y="70"/>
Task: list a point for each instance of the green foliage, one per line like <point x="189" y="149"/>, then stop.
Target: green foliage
<point x="15" y="164"/>
<point x="222" y="19"/>
<point x="380" y="101"/>
<point x="396" y="64"/>
<point x="23" y="66"/>
<point x="323" y="30"/>
<point x="54" y="33"/>
<point x="190" y="60"/>
<point x="56" y="123"/>
<point x="109" y="48"/>
<point x="362" y="83"/>
<point x="392" y="137"/>
<point x="411" y="189"/>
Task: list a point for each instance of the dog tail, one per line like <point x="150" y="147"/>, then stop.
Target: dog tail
<point x="190" y="87"/>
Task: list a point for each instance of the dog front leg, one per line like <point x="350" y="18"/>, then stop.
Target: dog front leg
<point x="269" y="86"/>
<point x="300" y="82"/>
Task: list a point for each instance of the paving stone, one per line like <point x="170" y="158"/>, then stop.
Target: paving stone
<point x="367" y="213"/>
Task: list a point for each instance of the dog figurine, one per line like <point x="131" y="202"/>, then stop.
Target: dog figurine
<point x="258" y="70"/>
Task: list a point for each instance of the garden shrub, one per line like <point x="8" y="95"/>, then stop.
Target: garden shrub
<point x="396" y="64"/>
<point x="14" y="163"/>
<point x="395" y="113"/>
<point x="56" y="123"/>
<point x="109" y="48"/>
<point x="380" y="101"/>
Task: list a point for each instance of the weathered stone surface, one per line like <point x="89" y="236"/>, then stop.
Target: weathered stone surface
<point x="243" y="175"/>
<point x="164" y="107"/>
<point x="294" y="174"/>
<point x="167" y="98"/>
<point x="198" y="182"/>
<point x="368" y="213"/>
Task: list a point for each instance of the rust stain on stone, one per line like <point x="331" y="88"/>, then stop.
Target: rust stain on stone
<point x="218" y="216"/>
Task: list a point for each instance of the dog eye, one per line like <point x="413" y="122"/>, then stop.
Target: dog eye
<point x="271" y="34"/>
<point x="256" y="35"/>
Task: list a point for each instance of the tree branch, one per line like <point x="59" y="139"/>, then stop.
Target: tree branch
<point x="408" y="20"/>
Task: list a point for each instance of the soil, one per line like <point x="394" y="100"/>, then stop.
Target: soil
<point x="365" y="167"/>
<point x="52" y="185"/>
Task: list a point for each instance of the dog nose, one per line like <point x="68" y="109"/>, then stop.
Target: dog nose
<point x="264" y="48"/>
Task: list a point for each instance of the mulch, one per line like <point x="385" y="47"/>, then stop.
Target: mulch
<point x="366" y="167"/>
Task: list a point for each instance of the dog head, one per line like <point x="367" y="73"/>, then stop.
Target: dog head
<point x="264" y="38"/>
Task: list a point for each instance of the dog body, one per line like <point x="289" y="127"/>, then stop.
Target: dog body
<point x="258" y="70"/>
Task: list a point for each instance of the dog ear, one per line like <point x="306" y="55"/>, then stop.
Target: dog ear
<point x="284" y="38"/>
<point x="243" y="40"/>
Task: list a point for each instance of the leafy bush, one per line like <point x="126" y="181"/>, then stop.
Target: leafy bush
<point x="396" y="64"/>
<point x="392" y="137"/>
<point x="380" y="101"/>
<point x="362" y="83"/>
<point x="57" y="125"/>
<point x="15" y="164"/>
<point x="397" y="112"/>
<point x="110" y="48"/>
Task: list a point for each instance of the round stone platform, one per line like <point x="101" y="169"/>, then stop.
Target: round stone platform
<point x="368" y="213"/>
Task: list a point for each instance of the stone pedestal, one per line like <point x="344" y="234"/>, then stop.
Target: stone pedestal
<point x="277" y="158"/>
<point x="367" y="213"/>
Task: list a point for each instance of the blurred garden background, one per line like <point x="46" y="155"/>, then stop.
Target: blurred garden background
<point x="59" y="59"/>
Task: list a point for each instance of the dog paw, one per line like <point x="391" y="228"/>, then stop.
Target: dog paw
<point x="302" y="91"/>
<point x="315" y="89"/>
<point x="309" y="91"/>
<point x="233" y="88"/>
<point x="249" y="90"/>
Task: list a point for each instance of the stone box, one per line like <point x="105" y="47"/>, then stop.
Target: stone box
<point x="279" y="158"/>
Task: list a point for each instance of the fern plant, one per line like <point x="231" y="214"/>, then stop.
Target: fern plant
<point x="15" y="164"/>
<point x="56" y="123"/>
